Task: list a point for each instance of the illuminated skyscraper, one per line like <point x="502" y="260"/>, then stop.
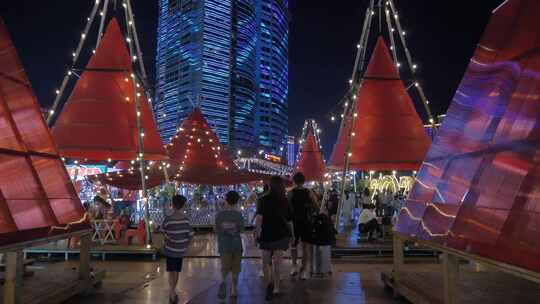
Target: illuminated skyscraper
<point x="230" y="57"/>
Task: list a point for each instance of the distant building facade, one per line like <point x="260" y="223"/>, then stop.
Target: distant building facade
<point x="230" y="58"/>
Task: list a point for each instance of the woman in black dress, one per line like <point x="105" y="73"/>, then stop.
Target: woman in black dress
<point x="274" y="230"/>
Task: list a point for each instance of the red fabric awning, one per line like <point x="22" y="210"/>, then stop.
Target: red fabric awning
<point x="311" y="162"/>
<point x="388" y="133"/>
<point x="37" y="198"/>
<point x="197" y="157"/>
<point x="98" y="121"/>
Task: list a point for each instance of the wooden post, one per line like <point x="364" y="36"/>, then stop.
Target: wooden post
<point x="399" y="259"/>
<point x="84" y="258"/>
<point x="14" y="277"/>
<point x="450" y="278"/>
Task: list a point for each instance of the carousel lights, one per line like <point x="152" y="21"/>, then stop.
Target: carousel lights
<point x="51" y="112"/>
<point x="109" y="160"/>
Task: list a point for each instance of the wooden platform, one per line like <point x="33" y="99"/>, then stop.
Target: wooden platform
<point x="102" y="251"/>
<point x="48" y="287"/>
<point x="423" y="286"/>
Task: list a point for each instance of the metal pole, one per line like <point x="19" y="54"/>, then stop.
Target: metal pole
<point x="90" y="21"/>
<point x="411" y="65"/>
<point x="351" y="111"/>
<point x="391" y="35"/>
<point x="140" y="135"/>
<point x="136" y="40"/>
<point x="140" y="156"/>
<point x="103" y="14"/>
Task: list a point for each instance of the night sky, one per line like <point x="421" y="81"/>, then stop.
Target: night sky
<point x="442" y="36"/>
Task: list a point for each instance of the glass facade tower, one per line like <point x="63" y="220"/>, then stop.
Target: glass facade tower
<point x="229" y="57"/>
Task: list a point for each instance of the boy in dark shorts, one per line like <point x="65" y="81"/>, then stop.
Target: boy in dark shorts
<point x="178" y="233"/>
<point x="229" y="226"/>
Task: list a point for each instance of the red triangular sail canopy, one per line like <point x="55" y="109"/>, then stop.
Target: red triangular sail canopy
<point x="388" y="134"/>
<point x="198" y="157"/>
<point x="98" y="121"/>
<point x="311" y="162"/>
<point x="478" y="190"/>
<point x="37" y="198"/>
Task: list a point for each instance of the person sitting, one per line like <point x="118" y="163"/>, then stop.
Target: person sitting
<point x="368" y="223"/>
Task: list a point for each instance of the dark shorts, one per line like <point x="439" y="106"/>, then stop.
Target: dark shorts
<point x="174" y="264"/>
<point x="282" y="245"/>
<point x="302" y="233"/>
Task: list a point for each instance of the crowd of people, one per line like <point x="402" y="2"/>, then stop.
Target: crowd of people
<point x="284" y="220"/>
<point x="299" y="220"/>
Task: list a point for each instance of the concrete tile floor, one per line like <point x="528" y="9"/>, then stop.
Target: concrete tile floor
<point x="146" y="282"/>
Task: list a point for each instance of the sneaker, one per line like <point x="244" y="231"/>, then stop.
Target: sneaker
<point x="269" y="292"/>
<point x="294" y="270"/>
<point x="222" y="292"/>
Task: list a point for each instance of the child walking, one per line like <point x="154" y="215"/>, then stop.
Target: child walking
<point x="178" y="233"/>
<point x="229" y="226"/>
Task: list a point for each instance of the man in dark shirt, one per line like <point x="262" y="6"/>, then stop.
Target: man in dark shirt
<point x="302" y="202"/>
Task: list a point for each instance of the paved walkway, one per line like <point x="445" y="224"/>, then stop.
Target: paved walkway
<point x="146" y="282"/>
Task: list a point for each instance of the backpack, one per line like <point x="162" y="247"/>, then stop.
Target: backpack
<point x="311" y="210"/>
<point x="323" y="232"/>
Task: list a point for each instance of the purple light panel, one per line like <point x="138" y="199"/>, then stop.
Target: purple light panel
<point x="478" y="190"/>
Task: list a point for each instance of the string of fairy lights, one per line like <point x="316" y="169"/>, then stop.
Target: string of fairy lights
<point x="394" y="27"/>
<point x="349" y="102"/>
<point x="138" y="84"/>
<point x="309" y="125"/>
